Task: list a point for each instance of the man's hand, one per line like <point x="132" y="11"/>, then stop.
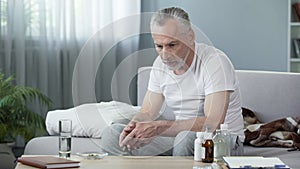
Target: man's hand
<point x="130" y="126"/>
<point x="141" y="134"/>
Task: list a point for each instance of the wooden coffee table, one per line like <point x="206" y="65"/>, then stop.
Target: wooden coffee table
<point x="136" y="162"/>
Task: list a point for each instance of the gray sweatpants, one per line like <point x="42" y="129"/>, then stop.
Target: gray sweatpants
<point x="181" y="145"/>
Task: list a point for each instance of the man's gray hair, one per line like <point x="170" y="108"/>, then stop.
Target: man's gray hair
<point x="161" y="16"/>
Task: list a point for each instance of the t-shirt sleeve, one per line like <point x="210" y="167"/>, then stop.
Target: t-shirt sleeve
<point x="219" y="74"/>
<point x="155" y="76"/>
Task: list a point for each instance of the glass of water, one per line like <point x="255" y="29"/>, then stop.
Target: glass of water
<point x="65" y="134"/>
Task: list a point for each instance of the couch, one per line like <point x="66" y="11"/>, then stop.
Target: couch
<point x="7" y="158"/>
<point x="271" y="95"/>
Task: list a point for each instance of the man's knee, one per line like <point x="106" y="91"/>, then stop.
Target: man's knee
<point x="114" y="129"/>
<point x="184" y="143"/>
<point x="110" y="138"/>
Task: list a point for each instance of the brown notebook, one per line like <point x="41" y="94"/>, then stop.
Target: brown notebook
<point x="48" y="162"/>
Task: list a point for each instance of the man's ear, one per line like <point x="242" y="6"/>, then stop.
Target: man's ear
<point x="191" y="36"/>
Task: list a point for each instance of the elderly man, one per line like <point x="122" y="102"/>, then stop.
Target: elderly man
<point x="195" y="80"/>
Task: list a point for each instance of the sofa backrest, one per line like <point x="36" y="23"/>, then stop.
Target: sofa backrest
<point x="271" y="95"/>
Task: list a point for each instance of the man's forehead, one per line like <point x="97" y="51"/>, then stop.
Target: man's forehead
<point x="166" y="39"/>
<point x="164" y="36"/>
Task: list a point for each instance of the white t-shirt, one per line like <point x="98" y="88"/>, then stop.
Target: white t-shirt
<point x="211" y="71"/>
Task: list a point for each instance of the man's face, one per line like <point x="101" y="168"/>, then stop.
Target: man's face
<point x="172" y="44"/>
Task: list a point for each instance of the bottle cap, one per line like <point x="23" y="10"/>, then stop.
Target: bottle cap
<point x="218" y="130"/>
<point x="199" y="134"/>
<point x="224" y="126"/>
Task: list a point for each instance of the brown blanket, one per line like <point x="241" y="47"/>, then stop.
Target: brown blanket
<point x="283" y="132"/>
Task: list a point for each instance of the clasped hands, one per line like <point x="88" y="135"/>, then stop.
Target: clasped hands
<point x="137" y="134"/>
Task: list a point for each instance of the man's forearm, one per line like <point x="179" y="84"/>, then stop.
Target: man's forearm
<point x="143" y="117"/>
<point x="172" y="128"/>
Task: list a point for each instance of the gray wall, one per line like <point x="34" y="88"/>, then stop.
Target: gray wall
<point x="253" y="33"/>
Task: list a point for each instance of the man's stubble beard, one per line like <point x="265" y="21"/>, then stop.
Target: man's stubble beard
<point x="181" y="62"/>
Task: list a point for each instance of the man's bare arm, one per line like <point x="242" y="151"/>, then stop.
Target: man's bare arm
<point x="151" y="106"/>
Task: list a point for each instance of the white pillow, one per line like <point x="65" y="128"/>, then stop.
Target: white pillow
<point x="88" y="120"/>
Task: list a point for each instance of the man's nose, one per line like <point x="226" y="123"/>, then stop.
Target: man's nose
<point x="165" y="54"/>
